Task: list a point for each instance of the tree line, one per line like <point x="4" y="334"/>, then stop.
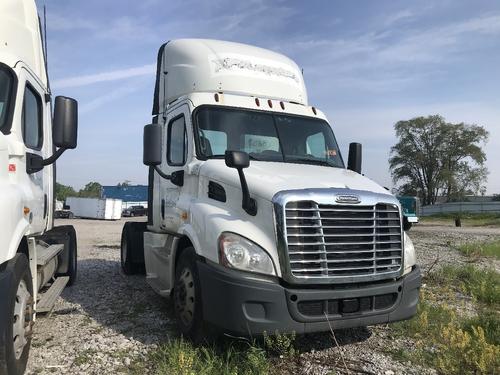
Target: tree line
<point x="433" y="158"/>
<point x="91" y="190"/>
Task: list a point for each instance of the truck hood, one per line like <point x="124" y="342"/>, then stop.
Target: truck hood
<point x="265" y="179"/>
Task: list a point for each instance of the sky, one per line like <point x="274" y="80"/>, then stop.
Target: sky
<point x="367" y="65"/>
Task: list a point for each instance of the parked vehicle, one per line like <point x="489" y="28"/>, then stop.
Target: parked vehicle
<point x="95" y="208"/>
<point x="37" y="259"/>
<point x="410" y="206"/>
<point x="134" y="211"/>
<point x="254" y="222"/>
<point x="63" y="214"/>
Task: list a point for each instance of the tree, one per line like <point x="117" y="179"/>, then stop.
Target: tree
<point x="63" y="191"/>
<point x="91" y="190"/>
<point x="123" y="184"/>
<point x="434" y="158"/>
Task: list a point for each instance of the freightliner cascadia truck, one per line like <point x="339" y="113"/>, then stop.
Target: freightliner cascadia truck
<point x="255" y="223"/>
<point x="35" y="256"/>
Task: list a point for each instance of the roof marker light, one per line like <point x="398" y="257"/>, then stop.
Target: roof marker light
<point x="216" y="97"/>
<point x="282" y="105"/>
<point x="314" y="110"/>
<point x="270" y="103"/>
<point x="257" y="102"/>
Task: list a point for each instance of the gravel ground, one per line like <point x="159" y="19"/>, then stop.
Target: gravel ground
<point x="107" y="322"/>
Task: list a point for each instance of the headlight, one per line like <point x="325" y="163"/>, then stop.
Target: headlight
<point x="410" y="257"/>
<point x="238" y="252"/>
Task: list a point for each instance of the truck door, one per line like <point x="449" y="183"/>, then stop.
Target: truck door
<point x="35" y="112"/>
<point x="177" y="153"/>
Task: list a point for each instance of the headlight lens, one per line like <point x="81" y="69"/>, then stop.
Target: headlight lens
<point x="238" y="252"/>
<point x="410" y="256"/>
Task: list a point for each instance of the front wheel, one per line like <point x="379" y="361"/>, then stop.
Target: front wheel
<point x="16" y="315"/>
<point x="187" y="296"/>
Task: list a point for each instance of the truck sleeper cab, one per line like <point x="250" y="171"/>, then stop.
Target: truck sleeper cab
<point x="254" y="222"/>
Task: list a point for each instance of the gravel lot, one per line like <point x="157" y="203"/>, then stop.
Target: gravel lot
<point x="107" y="322"/>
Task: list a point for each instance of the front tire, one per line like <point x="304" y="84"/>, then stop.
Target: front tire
<point x="187" y="296"/>
<point x="16" y="315"/>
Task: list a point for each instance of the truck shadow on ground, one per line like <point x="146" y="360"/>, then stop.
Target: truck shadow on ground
<point x="128" y="306"/>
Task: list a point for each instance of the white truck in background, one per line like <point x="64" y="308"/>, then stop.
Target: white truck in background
<point x="95" y="208"/>
<point x="35" y="256"/>
<point x="254" y="223"/>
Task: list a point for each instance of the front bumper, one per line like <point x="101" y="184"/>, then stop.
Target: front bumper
<point x="245" y="304"/>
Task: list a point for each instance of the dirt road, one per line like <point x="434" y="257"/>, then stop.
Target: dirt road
<point x="107" y="322"/>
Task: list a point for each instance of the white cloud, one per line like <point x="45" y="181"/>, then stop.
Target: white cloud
<point x="90" y="79"/>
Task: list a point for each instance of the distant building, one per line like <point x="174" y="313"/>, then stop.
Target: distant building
<point x="133" y="195"/>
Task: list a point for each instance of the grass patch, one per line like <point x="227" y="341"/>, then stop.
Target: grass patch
<point x="468" y="219"/>
<point x="445" y="340"/>
<point x="482" y="284"/>
<point x="479" y="249"/>
<point x="449" y="344"/>
<point x="183" y="358"/>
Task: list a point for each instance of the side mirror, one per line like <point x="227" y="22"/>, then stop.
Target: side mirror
<point x="237" y="159"/>
<point x="354" y="161"/>
<point x="152" y="145"/>
<point x="65" y="127"/>
<point x="240" y="160"/>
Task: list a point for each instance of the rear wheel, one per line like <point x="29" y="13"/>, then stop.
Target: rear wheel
<point x="187" y="296"/>
<point x="16" y="315"/>
<point x="132" y="248"/>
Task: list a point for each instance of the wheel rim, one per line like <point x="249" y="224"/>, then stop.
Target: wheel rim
<point x="23" y="318"/>
<point x="184" y="297"/>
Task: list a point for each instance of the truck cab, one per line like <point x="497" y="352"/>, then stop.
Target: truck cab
<point x="37" y="259"/>
<point x="255" y="223"/>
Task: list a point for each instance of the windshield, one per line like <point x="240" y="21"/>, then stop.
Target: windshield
<point x="6" y="83"/>
<point x="266" y="136"/>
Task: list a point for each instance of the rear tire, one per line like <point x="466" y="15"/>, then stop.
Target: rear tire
<point x="16" y="315"/>
<point x="132" y="248"/>
<point x="187" y="296"/>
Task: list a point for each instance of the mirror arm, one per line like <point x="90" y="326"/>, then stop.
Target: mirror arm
<point x="54" y="156"/>
<point x="248" y="204"/>
<point x="162" y="174"/>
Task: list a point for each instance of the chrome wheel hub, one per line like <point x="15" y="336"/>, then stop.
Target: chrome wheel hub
<point x="23" y="318"/>
<point x="184" y="297"/>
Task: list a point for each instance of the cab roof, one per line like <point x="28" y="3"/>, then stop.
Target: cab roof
<point x="203" y="65"/>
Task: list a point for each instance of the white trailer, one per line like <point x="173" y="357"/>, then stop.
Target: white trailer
<point x="95" y="208"/>
<point x="255" y="223"/>
<point x="37" y="259"/>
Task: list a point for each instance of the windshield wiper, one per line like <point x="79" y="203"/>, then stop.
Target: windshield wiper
<point x="310" y="161"/>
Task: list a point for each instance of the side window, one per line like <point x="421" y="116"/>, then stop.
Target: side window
<point x="177" y="142"/>
<point x="32" y="119"/>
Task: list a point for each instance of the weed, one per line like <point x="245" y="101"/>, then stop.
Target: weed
<point x="181" y="357"/>
<point x="479" y="249"/>
<point x="280" y="344"/>
<point x="484" y="285"/>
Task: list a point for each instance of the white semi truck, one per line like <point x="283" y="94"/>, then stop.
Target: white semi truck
<point x="35" y="256"/>
<point x="255" y="224"/>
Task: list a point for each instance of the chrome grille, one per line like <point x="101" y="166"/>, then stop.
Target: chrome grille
<point x="339" y="241"/>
